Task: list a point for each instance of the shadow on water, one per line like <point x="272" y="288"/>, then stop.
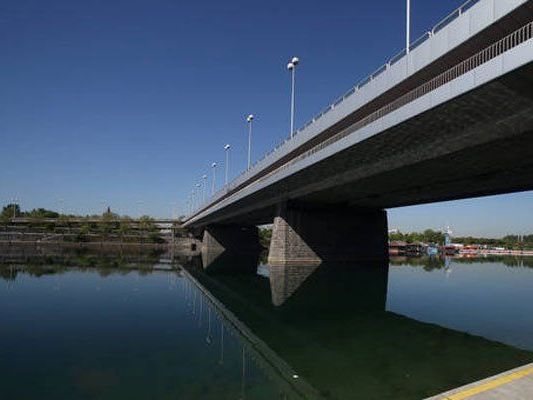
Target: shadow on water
<point x="325" y="332"/>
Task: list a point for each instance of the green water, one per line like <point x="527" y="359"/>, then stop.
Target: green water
<point x="231" y="330"/>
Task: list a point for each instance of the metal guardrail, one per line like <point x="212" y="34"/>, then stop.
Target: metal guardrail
<point x="512" y="40"/>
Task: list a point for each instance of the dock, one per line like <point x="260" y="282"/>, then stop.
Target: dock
<point x="516" y="384"/>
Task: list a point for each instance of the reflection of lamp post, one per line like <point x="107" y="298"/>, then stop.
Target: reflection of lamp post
<point x="291" y="66"/>
<point x="208" y="337"/>
<point x="249" y="118"/>
<point x="201" y="311"/>
<point x="243" y="376"/>
<point x="221" y="361"/>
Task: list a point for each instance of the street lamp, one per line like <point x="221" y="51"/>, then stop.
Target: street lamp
<point x="226" y="148"/>
<point x="140" y="207"/>
<point x="204" y="186"/>
<point x="214" y="167"/>
<point x="198" y="193"/>
<point x="408" y="27"/>
<point x="291" y="66"/>
<point x="249" y="119"/>
<point x="15" y="200"/>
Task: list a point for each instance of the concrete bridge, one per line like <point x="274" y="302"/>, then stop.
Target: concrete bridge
<point x="451" y="118"/>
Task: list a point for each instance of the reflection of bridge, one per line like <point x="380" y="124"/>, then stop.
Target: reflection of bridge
<point x="329" y="327"/>
<point x="451" y="119"/>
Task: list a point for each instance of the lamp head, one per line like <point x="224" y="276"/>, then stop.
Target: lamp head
<point x="227" y="147"/>
<point x="214" y="165"/>
<point x="295" y="61"/>
<point x="290" y="66"/>
<point x="250" y="118"/>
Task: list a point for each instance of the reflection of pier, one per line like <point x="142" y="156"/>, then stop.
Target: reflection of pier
<point x="284" y="281"/>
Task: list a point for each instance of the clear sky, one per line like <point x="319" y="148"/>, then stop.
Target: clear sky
<point x="127" y="102"/>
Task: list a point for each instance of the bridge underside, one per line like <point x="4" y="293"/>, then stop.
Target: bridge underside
<point x="475" y="145"/>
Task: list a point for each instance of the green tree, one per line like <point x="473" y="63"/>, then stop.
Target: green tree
<point x="265" y="235"/>
<point x="11" y="210"/>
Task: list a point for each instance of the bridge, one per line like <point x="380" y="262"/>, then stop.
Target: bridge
<point x="449" y="118"/>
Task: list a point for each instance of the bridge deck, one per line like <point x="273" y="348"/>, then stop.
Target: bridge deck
<point x="466" y="60"/>
<point x="516" y="384"/>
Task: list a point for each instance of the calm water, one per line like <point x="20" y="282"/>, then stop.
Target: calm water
<point x="226" y="329"/>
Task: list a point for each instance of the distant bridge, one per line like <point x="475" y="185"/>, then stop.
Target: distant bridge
<point x="452" y="118"/>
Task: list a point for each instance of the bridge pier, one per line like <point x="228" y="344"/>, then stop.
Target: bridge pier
<point x="306" y="235"/>
<point x="230" y="239"/>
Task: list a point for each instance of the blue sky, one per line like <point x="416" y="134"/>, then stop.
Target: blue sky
<point x="127" y="103"/>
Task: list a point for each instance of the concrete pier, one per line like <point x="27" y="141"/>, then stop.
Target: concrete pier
<point x="306" y="235"/>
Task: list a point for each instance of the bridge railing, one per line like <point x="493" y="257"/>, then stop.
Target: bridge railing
<point x="510" y="41"/>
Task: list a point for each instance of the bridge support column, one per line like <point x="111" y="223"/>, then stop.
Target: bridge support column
<point x="232" y="239"/>
<point x="304" y="235"/>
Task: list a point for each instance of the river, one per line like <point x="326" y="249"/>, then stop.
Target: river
<point x="230" y="329"/>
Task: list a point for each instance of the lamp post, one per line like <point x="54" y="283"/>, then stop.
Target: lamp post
<point x="249" y="118"/>
<point x="214" y="167"/>
<point x="198" y="188"/>
<point x="15" y="200"/>
<point x="408" y="26"/>
<point x="140" y="207"/>
<point x="204" y="186"/>
<point x="60" y="201"/>
<point x="291" y="66"/>
<point x="226" y="148"/>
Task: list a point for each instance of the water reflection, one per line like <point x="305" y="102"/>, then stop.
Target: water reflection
<point x="433" y="263"/>
<point x="329" y="327"/>
<point x="372" y="331"/>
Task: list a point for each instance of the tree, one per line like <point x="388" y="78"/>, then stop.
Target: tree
<point x="42" y="213"/>
<point x="265" y="235"/>
<point x="11" y="210"/>
<point x="147" y="224"/>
